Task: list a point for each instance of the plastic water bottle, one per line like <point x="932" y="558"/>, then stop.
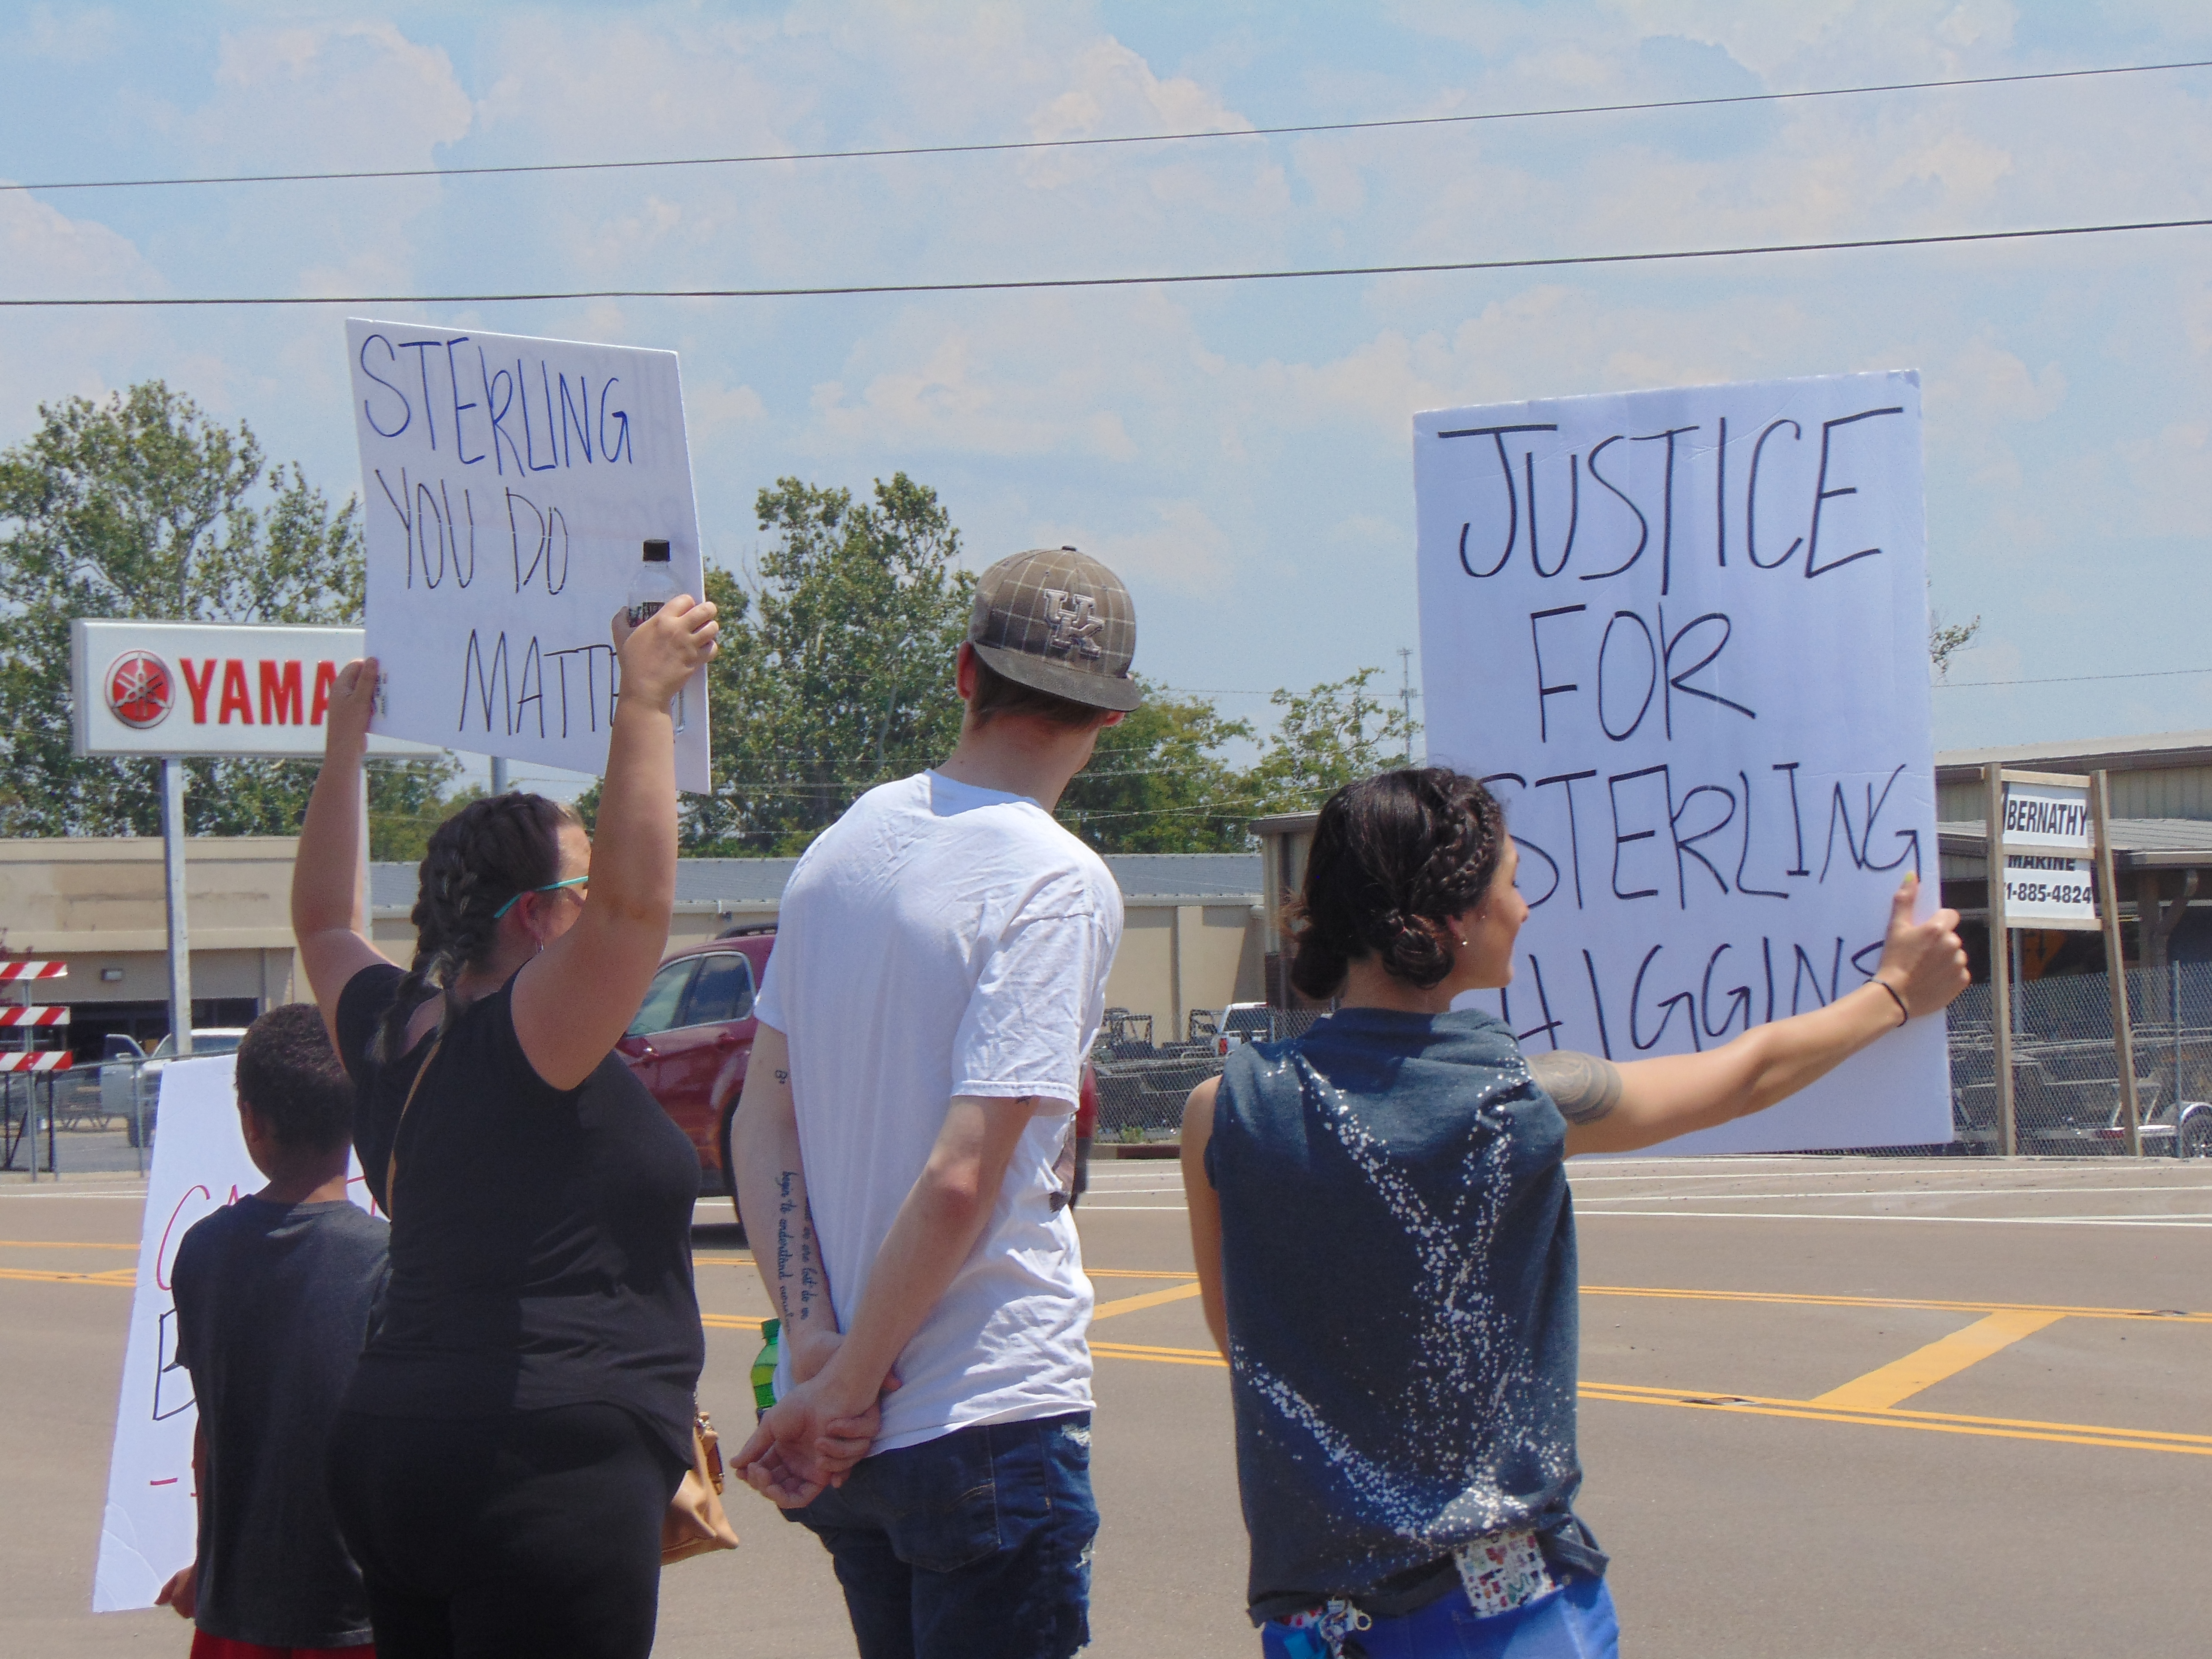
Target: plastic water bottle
<point x="653" y="586"/>
<point x="764" y="1364"/>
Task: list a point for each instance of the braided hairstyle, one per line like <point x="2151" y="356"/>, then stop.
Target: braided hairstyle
<point x="478" y="860"/>
<point x="1388" y="853"/>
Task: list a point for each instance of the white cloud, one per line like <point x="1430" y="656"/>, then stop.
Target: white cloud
<point x="1182" y="550"/>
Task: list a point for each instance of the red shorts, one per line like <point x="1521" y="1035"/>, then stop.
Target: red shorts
<point x="205" y="1646"/>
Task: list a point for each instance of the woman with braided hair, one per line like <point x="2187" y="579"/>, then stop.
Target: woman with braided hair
<point x="1386" y="1249"/>
<point x="521" y="1415"/>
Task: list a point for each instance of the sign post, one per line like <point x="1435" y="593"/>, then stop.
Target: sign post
<point x="2116" y="966"/>
<point x="173" y="878"/>
<point x="2049" y="860"/>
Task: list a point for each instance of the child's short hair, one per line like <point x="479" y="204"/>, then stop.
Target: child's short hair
<point x="289" y="1074"/>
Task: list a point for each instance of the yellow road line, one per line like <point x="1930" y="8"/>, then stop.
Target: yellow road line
<point x="2002" y="1428"/>
<point x="60" y="1244"/>
<point x="2166" y="1314"/>
<point x="1149" y="1299"/>
<point x="1947" y="1356"/>
<point x="1161" y="1355"/>
<point x="125" y="1277"/>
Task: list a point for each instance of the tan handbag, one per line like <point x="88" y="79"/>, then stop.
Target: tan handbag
<point x="695" y="1523"/>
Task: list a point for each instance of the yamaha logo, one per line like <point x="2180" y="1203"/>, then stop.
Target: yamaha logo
<point x="140" y="690"/>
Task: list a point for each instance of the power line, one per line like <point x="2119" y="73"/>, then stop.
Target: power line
<point x="1556" y="262"/>
<point x="1112" y="140"/>
<point x="2075" y="679"/>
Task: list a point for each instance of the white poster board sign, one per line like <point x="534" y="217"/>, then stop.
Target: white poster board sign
<point x="151" y="1525"/>
<point x="507" y="486"/>
<point x="1684" y="635"/>
<point x="2053" y="883"/>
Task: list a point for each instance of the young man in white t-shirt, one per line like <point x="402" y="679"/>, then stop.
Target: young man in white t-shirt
<point x="940" y="972"/>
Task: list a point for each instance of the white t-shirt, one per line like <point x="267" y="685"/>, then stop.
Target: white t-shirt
<point x="939" y="940"/>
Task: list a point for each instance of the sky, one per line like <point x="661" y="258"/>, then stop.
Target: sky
<point x="1240" y="453"/>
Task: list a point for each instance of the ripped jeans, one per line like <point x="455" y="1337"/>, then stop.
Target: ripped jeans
<point x="973" y="1546"/>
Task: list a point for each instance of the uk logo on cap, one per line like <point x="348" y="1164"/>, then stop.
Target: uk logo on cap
<point x="1075" y="622"/>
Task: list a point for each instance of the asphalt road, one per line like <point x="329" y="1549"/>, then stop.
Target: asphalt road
<point x="1831" y="1408"/>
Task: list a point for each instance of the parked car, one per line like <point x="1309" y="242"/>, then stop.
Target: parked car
<point x="693" y="1036"/>
<point x="127" y="1073"/>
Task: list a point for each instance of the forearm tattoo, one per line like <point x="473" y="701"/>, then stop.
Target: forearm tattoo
<point x="1584" y="1087"/>
<point x="798" y="1265"/>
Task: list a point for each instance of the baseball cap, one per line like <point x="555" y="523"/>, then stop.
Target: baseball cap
<point x="1059" y="620"/>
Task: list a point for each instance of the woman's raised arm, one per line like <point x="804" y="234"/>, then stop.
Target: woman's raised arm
<point x="330" y="920"/>
<point x="1619" y="1108"/>
<point x="581" y="992"/>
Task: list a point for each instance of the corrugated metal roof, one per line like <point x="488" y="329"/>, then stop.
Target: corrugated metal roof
<point x="1215" y="877"/>
<point x="2149" y="750"/>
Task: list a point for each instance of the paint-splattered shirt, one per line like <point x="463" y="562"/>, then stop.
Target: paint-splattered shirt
<point x="1398" y="1258"/>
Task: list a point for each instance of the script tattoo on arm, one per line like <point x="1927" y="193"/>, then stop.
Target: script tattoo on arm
<point x="798" y="1263"/>
<point x="1584" y="1087"/>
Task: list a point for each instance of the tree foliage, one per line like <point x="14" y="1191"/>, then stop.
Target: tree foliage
<point x="835" y="669"/>
<point x="1159" y="781"/>
<point x="144" y="506"/>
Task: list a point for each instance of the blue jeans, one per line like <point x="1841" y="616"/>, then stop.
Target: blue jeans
<point x="973" y="1546"/>
<point x="1576" y="1623"/>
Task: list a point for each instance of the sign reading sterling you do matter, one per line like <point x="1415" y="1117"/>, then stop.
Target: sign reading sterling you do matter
<point x="1684" y="636"/>
<point x="509" y="484"/>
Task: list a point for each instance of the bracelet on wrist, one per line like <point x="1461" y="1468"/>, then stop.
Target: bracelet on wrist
<point x="1904" y="1013"/>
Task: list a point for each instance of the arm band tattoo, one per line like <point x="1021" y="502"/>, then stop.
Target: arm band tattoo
<point x="1584" y="1087"/>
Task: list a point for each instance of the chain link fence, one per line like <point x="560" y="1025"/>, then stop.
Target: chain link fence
<point x="2066" y="1092"/>
<point x="2066" y="1097"/>
<point x="96" y="1117"/>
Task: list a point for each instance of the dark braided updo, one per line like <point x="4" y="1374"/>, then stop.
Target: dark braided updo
<point x="478" y="860"/>
<point x="1388" y="853"/>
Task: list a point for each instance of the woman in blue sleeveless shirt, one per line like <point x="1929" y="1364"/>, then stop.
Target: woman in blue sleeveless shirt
<point x="1387" y="1250"/>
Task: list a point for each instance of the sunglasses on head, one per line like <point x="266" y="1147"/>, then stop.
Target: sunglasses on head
<point x="550" y="887"/>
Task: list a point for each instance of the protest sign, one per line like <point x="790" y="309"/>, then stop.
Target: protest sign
<point x="508" y="484"/>
<point x="151" y="1525"/>
<point x="1684" y="635"/>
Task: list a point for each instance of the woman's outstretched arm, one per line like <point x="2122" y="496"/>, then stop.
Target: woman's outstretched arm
<point x="579" y="994"/>
<point x="1619" y="1108"/>
<point x="329" y="919"/>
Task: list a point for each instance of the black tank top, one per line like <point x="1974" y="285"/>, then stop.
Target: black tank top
<point x="540" y="1239"/>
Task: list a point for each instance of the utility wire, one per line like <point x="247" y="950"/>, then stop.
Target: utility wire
<point x="1946" y="239"/>
<point x="2075" y="679"/>
<point x="1117" y="139"/>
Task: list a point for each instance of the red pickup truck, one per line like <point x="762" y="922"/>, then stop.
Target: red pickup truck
<point x="693" y="1038"/>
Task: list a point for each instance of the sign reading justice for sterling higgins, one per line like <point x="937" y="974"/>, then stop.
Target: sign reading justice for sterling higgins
<point x="508" y="485"/>
<point x="1683" y="635"/>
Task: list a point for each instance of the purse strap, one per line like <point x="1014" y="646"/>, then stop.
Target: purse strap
<point x="391" y="1159"/>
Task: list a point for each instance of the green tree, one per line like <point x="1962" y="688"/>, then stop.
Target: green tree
<point x="1159" y="781"/>
<point x="1333" y="735"/>
<point x="142" y="506"/>
<point x="836" y="671"/>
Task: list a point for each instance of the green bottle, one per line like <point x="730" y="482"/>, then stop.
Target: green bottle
<point x="764" y="1364"/>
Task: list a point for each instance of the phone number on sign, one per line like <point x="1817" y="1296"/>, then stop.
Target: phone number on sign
<point x="2046" y="892"/>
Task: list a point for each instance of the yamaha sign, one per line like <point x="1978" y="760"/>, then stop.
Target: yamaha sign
<point x="164" y="687"/>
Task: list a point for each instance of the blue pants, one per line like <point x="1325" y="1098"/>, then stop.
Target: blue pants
<point x="973" y="1546"/>
<point x="1576" y="1622"/>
